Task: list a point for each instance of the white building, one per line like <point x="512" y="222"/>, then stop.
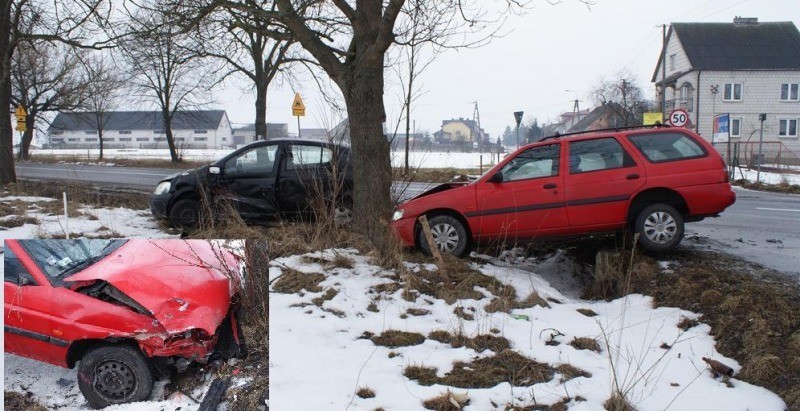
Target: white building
<point x="744" y="68"/>
<point x="247" y="134"/>
<point x="141" y="129"/>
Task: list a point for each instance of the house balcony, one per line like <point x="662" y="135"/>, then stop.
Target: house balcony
<point x="686" y="104"/>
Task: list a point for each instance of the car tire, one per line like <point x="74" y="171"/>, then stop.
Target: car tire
<point x="454" y="239"/>
<point x="184" y="213"/>
<point x="660" y="228"/>
<point x="114" y="374"/>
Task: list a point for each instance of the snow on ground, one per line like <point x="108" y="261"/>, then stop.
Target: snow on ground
<point x="766" y="177"/>
<point x="417" y="159"/>
<point x="41" y="221"/>
<point x="318" y="361"/>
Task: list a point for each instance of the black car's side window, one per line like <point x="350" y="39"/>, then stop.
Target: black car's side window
<point x="14" y="271"/>
<point x="303" y="156"/>
<point x="258" y="160"/>
<point x="533" y="163"/>
<point x="597" y="154"/>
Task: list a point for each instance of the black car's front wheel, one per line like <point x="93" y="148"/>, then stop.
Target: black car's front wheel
<point x="449" y="235"/>
<point x="184" y="213"/>
<point x="114" y="374"/>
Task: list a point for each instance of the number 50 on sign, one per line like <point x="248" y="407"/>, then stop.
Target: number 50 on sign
<point x="678" y="118"/>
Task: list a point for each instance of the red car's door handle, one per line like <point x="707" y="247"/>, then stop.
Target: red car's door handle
<point x="633" y="176"/>
<point x="550" y="185"/>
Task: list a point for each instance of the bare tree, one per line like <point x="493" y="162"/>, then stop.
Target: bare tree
<point x="45" y="78"/>
<point x="249" y="45"/>
<point x="103" y="84"/>
<point x="623" y="96"/>
<point x="164" y="70"/>
<point x="75" y="23"/>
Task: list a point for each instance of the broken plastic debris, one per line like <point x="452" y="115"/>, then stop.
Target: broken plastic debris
<point x="520" y="317"/>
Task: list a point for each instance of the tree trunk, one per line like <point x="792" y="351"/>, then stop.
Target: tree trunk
<point x="27" y="137"/>
<point x="173" y="153"/>
<point x="7" y="173"/>
<point x="261" y="110"/>
<point x="372" y="173"/>
<point x="100" y="140"/>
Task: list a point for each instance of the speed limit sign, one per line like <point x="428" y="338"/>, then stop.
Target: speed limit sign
<point x="678" y="118"/>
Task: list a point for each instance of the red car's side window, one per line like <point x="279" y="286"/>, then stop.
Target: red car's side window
<point x="534" y="162"/>
<point x="14" y="272"/>
<point x="597" y="154"/>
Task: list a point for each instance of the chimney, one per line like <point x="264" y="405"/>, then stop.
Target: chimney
<point x="745" y="21"/>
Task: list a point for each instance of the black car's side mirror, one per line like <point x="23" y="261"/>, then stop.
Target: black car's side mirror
<point x="496" y="178"/>
<point x="214" y="170"/>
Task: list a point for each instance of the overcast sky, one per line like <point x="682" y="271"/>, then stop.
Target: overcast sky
<point x="546" y="51"/>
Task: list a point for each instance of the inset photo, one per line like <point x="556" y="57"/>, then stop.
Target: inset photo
<point x="140" y="324"/>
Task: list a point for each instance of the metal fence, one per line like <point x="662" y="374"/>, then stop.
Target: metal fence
<point x="774" y="156"/>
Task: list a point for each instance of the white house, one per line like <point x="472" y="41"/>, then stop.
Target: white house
<point x="141" y="129"/>
<point x="744" y="68"/>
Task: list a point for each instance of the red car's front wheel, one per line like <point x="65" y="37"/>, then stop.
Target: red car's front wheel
<point x="114" y="374"/>
<point x="449" y="235"/>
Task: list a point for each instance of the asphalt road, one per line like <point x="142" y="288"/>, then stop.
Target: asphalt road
<point x="761" y="227"/>
<point x="144" y="179"/>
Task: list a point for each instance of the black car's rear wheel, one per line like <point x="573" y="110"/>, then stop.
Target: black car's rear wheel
<point x="449" y="235"/>
<point x="114" y="374"/>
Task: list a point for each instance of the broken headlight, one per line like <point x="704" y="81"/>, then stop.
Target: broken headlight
<point x="398" y="214"/>
<point x="161" y="188"/>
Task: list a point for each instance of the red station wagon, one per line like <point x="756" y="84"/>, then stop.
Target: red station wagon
<point x="648" y="180"/>
<point x="124" y="310"/>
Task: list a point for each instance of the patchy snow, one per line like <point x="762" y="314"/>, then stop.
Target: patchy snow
<point x="417" y="159"/>
<point x="93" y="222"/>
<point x="312" y="349"/>
<point x="767" y="177"/>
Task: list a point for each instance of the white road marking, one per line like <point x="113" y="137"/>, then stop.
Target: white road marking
<point x="778" y="209"/>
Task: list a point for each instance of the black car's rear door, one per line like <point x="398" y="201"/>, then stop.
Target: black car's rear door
<point x="248" y="181"/>
<point x="305" y="173"/>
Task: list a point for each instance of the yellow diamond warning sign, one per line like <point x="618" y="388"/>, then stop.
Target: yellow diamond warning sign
<point x="298" y="108"/>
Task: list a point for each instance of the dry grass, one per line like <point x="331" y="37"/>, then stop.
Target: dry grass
<point x="462" y="313"/>
<point x="293" y="281"/>
<point x="754" y="314"/>
<point x="782" y="187"/>
<point x="585" y="343"/>
<point x="417" y="312"/>
<point x="444" y="402"/>
<point x="507" y="366"/>
<point x="395" y="338"/>
<point x="454" y="281"/>
<point x="99" y="196"/>
<point x="365" y="392"/>
<point x="617" y="402"/>
<point x="478" y="343"/>
<point x="569" y="372"/>
<point x="326" y="296"/>
<point x="17" y="221"/>
<point x="16" y="401"/>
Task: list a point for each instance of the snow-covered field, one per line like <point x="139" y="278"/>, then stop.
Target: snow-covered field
<point x="321" y="353"/>
<point x="417" y="159"/>
<point x="766" y="177"/>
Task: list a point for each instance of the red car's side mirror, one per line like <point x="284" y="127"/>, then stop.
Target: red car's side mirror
<point x="496" y="178"/>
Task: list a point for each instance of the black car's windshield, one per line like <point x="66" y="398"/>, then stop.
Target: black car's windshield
<point x="61" y="258"/>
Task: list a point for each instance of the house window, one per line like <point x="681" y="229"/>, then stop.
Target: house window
<point x="73" y="139"/>
<point x="158" y="131"/>
<point x="157" y="139"/>
<point x="142" y="138"/>
<point x="90" y="140"/>
<point x="200" y="139"/>
<point x="736" y="127"/>
<point x="201" y="131"/>
<point x="787" y="127"/>
<point x="179" y="138"/>
<point x="108" y="139"/>
<point x="671" y="62"/>
<point x="124" y="131"/>
<point x="91" y="131"/>
<point x="732" y="92"/>
<point x="124" y="139"/>
<point x="56" y="133"/>
<point x="789" y="92"/>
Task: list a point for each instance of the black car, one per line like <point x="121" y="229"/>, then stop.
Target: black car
<point x="262" y="180"/>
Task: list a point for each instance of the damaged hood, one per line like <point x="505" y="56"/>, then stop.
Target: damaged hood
<point x="183" y="284"/>
<point x="442" y="187"/>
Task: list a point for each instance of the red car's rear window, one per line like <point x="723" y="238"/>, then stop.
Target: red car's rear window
<point x="667" y="146"/>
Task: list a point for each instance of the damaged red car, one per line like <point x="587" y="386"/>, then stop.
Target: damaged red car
<point x="125" y="312"/>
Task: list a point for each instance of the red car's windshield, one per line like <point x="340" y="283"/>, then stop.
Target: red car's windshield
<point x="60" y="258"/>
